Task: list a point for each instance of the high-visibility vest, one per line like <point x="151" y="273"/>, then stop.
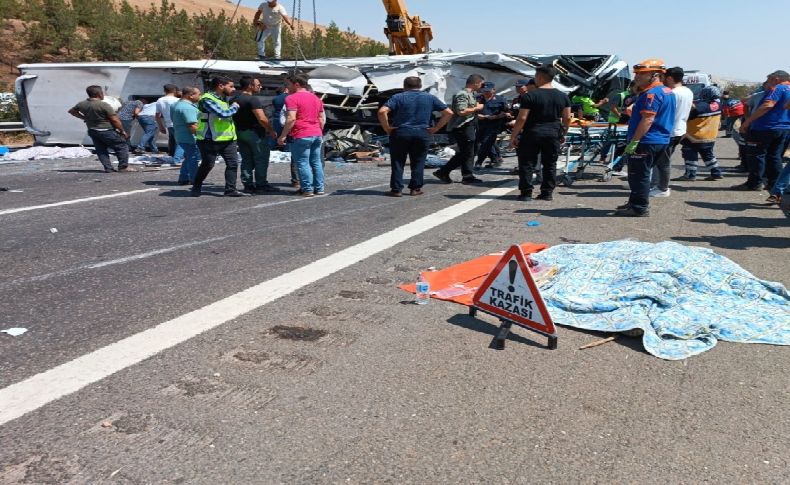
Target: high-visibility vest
<point x="212" y="127"/>
<point x="612" y="117"/>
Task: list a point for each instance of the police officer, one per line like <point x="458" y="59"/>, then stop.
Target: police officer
<point x="216" y="135"/>
<point x="649" y="133"/>
<point x="492" y="121"/>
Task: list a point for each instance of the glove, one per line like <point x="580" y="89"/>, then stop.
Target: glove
<point x="631" y="147"/>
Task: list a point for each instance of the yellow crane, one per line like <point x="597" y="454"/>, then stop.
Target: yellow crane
<point x="407" y="34"/>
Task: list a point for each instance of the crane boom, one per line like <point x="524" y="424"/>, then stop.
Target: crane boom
<point x="406" y="34"/>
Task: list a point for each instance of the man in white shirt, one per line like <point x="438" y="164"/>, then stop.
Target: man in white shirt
<point x="165" y="121"/>
<point x="684" y="100"/>
<point x="269" y="20"/>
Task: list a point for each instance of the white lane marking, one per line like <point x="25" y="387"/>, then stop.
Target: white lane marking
<point x="34" y="392"/>
<point x="300" y="199"/>
<point x="111" y="262"/>
<point x="75" y="201"/>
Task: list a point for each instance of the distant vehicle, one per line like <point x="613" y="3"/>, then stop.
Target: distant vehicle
<point x="696" y="80"/>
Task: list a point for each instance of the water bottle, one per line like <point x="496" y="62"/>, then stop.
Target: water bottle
<point x="423" y="294"/>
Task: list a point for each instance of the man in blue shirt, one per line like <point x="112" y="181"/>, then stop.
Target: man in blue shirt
<point x="649" y="133"/>
<point x="184" y="115"/>
<point x="767" y="130"/>
<point x="491" y="123"/>
<point x="409" y="127"/>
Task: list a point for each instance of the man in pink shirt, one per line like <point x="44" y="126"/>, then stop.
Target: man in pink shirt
<point x="305" y="125"/>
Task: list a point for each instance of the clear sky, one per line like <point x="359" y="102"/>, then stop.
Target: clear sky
<point x="727" y="38"/>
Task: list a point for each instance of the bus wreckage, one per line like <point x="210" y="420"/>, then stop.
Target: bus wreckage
<point x="352" y="89"/>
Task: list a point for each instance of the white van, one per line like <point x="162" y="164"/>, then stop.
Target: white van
<point x="695" y="81"/>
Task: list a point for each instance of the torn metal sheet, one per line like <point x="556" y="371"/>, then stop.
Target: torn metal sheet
<point x="352" y="88"/>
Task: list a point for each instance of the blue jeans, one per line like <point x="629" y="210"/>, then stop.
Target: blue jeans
<point x="640" y="167"/>
<point x="177" y="152"/>
<point x="782" y="183"/>
<point x="764" y="160"/>
<point x="307" y="153"/>
<point x="150" y="128"/>
<point x="189" y="166"/>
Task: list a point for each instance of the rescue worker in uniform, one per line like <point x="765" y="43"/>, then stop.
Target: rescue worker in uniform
<point x="216" y="135"/>
<point x="649" y="133"/>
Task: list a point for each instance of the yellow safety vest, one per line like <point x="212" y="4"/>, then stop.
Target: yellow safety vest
<point x="212" y="127"/>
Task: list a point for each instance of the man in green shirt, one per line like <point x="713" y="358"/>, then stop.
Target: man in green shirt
<point x="463" y="127"/>
<point x="104" y="128"/>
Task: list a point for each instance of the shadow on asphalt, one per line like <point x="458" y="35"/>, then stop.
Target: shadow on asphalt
<point x="633" y="343"/>
<point x="737" y="242"/>
<point x="381" y="192"/>
<point x="187" y="193"/>
<point x="161" y="183"/>
<point x="568" y="212"/>
<point x="747" y="222"/>
<point x="470" y="323"/>
<point x="729" y="206"/>
<point x="78" y="170"/>
<point x="620" y="193"/>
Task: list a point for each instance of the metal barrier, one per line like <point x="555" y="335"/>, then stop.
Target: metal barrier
<point x="11" y="126"/>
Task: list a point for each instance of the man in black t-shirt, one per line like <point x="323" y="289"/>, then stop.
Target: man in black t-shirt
<point x="544" y="116"/>
<point x="252" y="127"/>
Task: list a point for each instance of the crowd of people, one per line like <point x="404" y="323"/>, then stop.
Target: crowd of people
<point x="661" y="114"/>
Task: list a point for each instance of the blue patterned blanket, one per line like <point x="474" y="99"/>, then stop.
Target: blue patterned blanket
<point x="684" y="298"/>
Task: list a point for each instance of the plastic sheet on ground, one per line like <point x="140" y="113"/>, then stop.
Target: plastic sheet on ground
<point x="46" y="153"/>
<point x="458" y="283"/>
<point x="684" y="298"/>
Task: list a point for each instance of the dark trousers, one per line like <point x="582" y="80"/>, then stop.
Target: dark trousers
<point x="530" y="146"/>
<point x="103" y="141"/>
<point x="663" y="166"/>
<point x="171" y="142"/>
<point x="209" y="150"/>
<point x="764" y="156"/>
<point x="465" y="158"/>
<point x="640" y="166"/>
<point x="486" y="142"/>
<point x="692" y="152"/>
<point x="413" y="146"/>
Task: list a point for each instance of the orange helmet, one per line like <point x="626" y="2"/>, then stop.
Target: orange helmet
<point x="650" y="65"/>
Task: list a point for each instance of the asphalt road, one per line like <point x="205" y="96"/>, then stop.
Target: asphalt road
<point x="378" y="390"/>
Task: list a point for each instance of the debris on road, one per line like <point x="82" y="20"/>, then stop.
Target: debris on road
<point x="15" y="331"/>
<point x="46" y="153"/>
<point x="53" y="230"/>
<point x="533" y="223"/>
<point x="598" y="343"/>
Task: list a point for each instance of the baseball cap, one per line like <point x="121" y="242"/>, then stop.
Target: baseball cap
<point x="525" y="82"/>
<point x="487" y="86"/>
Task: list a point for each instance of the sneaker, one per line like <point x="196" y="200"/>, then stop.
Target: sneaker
<point x="393" y="193"/>
<point x="631" y="212"/>
<point x="126" y="170"/>
<point x="524" y="196"/>
<point x="685" y="178"/>
<point x="712" y="177"/>
<point x="195" y="192"/>
<point x="236" y="193"/>
<point x="110" y="170"/>
<point x="295" y="184"/>
<point x="774" y="199"/>
<point x="471" y="180"/>
<point x="618" y="173"/>
<point x="444" y="178"/>
<point x="660" y="193"/>
<point x="745" y="187"/>
<point x="249" y="190"/>
<point x="304" y="193"/>
<point x="416" y="192"/>
<point x="544" y="196"/>
<point x="623" y="207"/>
<point x="319" y="192"/>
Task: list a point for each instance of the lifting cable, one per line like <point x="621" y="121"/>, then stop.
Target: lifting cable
<point x="219" y="41"/>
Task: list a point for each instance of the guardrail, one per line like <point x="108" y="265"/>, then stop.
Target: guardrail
<point x="11" y="126"/>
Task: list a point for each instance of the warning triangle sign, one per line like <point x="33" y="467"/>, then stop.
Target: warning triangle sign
<point x="510" y="292"/>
